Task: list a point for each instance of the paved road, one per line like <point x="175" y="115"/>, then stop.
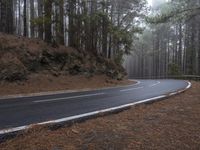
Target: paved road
<point x="17" y="112"/>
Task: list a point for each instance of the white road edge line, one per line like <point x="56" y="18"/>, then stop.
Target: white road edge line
<point x="158" y="82"/>
<point x="138" y="82"/>
<point x="7" y="131"/>
<point x="66" y="92"/>
<point x="66" y="98"/>
<point x="125" y="90"/>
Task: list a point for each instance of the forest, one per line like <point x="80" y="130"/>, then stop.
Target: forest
<point x="161" y="40"/>
<point x="102" y="27"/>
<point x="170" y="43"/>
<point x="99" y="74"/>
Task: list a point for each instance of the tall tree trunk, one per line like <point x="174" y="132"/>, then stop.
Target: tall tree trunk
<point x="105" y="29"/>
<point x="61" y="23"/>
<point x="19" y="16"/>
<point x="180" y="47"/>
<point x="32" y="18"/>
<point x="199" y="53"/>
<point x="10" y="13"/>
<point x="48" y="21"/>
<point x="40" y="15"/>
<point x="3" y="16"/>
<point x="71" y="32"/>
<point x="6" y="15"/>
<point x="94" y="27"/>
<point x="25" y="19"/>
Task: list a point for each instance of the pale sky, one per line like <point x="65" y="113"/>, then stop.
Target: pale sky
<point x="156" y="2"/>
<point x="150" y="2"/>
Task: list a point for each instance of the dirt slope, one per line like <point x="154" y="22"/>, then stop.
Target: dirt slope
<point x="37" y="83"/>
<point x="20" y="57"/>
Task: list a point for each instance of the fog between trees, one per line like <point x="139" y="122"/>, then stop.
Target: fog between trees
<point x="170" y="43"/>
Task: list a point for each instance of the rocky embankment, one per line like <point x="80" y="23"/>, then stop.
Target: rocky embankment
<point x="20" y="57"/>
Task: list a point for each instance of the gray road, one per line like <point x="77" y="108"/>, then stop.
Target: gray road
<point x="18" y="112"/>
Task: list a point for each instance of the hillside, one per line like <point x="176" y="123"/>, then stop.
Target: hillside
<point x="31" y="62"/>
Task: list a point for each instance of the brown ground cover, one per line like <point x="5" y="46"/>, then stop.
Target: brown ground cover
<point x="171" y="124"/>
<point x="48" y="83"/>
<point x="32" y="66"/>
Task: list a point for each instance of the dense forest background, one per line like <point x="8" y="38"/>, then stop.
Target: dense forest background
<point x="162" y="41"/>
<point x="170" y="43"/>
<point x="101" y="27"/>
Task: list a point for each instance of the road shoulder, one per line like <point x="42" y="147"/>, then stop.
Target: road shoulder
<point x="170" y="124"/>
<point x="60" y="85"/>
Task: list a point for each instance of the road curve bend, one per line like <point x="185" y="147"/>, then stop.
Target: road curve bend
<point x="19" y="113"/>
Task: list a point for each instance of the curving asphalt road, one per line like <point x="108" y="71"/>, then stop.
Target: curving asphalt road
<point x="17" y="113"/>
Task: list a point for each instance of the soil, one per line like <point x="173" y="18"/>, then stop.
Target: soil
<point x="32" y="66"/>
<point x="170" y="124"/>
<point x="21" y="58"/>
<point x="48" y="83"/>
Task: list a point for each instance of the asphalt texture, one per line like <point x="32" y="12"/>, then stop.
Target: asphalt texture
<point x="16" y="112"/>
